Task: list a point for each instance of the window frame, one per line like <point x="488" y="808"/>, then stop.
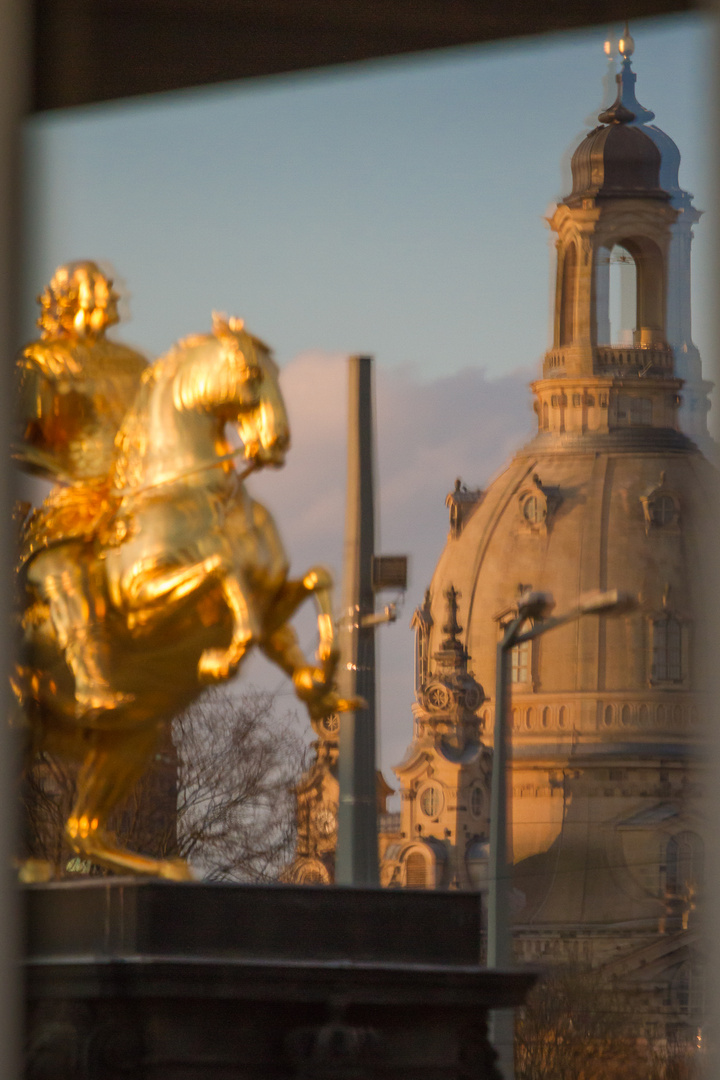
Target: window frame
<point x="672" y="670"/>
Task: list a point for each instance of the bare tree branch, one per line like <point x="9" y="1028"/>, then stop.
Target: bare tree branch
<point x="220" y="794"/>
<point x="578" y="1026"/>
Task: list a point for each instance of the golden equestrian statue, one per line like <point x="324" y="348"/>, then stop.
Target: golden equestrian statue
<point x="149" y="571"/>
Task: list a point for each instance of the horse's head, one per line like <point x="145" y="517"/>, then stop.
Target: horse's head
<point x="205" y="380"/>
<point x="232" y="374"/>
<point x="262" y="421"/>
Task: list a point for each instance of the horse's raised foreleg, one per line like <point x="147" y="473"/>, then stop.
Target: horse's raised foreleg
<point x="318" y="584"/>
<point x="314" y="683"/>
<point x="106" y="778"/>
<point x="216" y="665"/>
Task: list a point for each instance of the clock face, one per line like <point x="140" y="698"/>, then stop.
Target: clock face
<point x="325" y="820"/>
<point x="437" y="696"/>
<point x="331" y="723"/>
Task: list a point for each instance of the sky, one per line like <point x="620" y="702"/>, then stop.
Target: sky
<point x="394" y="208"/>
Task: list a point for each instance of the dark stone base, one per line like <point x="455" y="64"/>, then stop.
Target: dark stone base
<point x="163" y="981"/>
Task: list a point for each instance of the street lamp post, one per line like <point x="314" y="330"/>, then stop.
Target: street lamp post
<point x="365" y="574"/>
<point x="534" y="608"/>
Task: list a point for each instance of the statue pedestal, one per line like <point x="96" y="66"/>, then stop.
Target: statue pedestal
<point x="162" y="981"/>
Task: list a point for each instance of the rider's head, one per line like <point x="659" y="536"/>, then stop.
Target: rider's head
<point x="79" y="302"/>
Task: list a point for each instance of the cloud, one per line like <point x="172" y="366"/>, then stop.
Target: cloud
<point x="428" y="433"/>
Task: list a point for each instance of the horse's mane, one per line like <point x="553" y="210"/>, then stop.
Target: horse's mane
<point x="204" y="378"/>
<point x="201" y="376"/>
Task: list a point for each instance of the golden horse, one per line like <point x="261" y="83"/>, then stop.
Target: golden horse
<point x="183" y="573"/>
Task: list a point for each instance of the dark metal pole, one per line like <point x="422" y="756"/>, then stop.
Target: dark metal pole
<point x="499" y="947"/>
<point x="357" y="848"/>
<point x="499" y="951"/>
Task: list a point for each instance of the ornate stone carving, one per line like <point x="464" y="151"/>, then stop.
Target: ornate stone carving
<point x="422" y="623"/>
<point x="461" y="503"/>
<point x="661" y="508"/>
<point x="73" y="1043"/>
<point x="536" y="506"/>
<point x="333" y="1051"/>
<point x="450" y="693"/>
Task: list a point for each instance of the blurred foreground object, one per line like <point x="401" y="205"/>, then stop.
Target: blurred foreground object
<point x="148" y="572"/>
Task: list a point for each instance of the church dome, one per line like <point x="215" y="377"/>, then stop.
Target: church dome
<point x="616" y="160"/>
<point x="606" y="713"/>
<point x="669" y="160"/>
<point x="625" y="155"/>
<point x="572" y="519"/>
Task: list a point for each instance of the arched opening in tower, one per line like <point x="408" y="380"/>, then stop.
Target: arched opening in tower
<point x="567" y="303"/>
<point x="616" y="296"/>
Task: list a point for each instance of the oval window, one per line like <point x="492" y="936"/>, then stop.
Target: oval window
<point x="430" y="801"/>
<point x="476" y="801"/>
<point x="534" y="510"/>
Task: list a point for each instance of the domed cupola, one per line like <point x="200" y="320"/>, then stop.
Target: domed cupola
<point x="623" y="157"/>
<point x="616" y="160"/>
<point x="626" y="103"/>
<point x="616" y="367"/>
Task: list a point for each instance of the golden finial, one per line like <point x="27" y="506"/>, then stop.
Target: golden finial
<point x="626" y="45"/>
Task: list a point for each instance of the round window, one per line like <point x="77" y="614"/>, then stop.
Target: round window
<point x="534" y="510"/>
<point x="431" y="801"/>
<point x="662" y="510"/>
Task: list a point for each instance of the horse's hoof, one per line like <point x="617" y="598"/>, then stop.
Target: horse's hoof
<point x="216" y="665"/>
<point x="175" y="870"/>
<point x="355" y="704"/>
<point x="332" y="703"/>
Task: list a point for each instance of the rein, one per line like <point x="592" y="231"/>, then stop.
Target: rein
<point x="215" y="463"/>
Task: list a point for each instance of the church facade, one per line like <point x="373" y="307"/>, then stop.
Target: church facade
<point x="607" y="713"/>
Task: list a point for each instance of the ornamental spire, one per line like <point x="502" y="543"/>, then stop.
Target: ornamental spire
<point x="626" y="109"/>
<point x="452" y="628"/>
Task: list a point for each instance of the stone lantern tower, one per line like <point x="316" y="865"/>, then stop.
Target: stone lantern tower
<point x="625" y="206"/>
<point x="445" y="775"/>
<point x="607" y="714"/>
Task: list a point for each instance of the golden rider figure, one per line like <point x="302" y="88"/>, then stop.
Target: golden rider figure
<point x="74" y="388"/>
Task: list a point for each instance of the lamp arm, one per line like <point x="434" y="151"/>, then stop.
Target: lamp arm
<point x="548" y="624"/>
<point x="510" y="638"/>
